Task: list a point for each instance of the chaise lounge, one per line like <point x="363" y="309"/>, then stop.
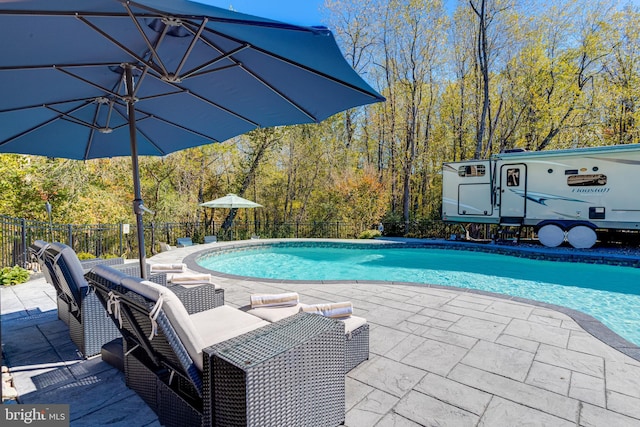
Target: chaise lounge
<point x="223" y="366"/>
<point x="37" y="251"/>
<point x="89" y="326"/>
<point x="183" y="242"/>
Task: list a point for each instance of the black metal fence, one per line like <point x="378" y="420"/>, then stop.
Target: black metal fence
<point x="16" y="234"/>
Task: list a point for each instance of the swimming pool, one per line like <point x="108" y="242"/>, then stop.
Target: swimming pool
<point x="611" y="294"/>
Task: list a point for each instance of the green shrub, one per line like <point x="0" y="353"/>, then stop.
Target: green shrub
<point x="369" y="234"/>
<point x="109" y="256"/>
<point x="85" y="255"/>
<point x="13" y="275"/>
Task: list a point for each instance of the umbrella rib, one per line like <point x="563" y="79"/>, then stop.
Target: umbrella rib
<point x="146" y="39"/>
<point x="41" y="125"/>
<point x="280" y="94"/>
<point x="25" y="132"/>
<point x="170" y="123"/>
<point x="294" y="64"/>
<point x="145" y="73"/>
<point x="140" y="130"/>
<point x="197" y="35"/>
<point x="166" y="121"/>
<point x="120" y="45"/>
<point x="160" y="150"/>
<point x="160" y="95"/>
<point x="245" y="45"/>
<point x="89" y="82"/>
<point x="27" y="107"/>
<point x="213" y="104"/>
<point x="87" y="150"/>
<point x="40" y="67"/>
<point x="320" y="74"/>
<point x="197" y="71"/>
<point x="92" y="132"/>
<point x="273" y="89"/>
<point x="228" y="55"/>
<point x="187" y="53"/>
<point x="65" y="116"/>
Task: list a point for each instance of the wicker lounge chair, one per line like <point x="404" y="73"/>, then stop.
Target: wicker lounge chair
<point x="37" y="250"/>
<point x="89" y="325"/>
<point x="223" y="366"/>
<point x="210" y="239"/>
<point x="356" y="331"/>
<point x="164" y="247"/>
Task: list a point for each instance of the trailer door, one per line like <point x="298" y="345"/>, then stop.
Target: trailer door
<point x="513" y="190"/>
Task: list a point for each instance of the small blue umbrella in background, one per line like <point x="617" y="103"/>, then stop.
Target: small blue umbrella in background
<point x="83" y="79"/>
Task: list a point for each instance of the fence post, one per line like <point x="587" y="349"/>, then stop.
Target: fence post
<point x="23" y="238"/>
<point x="153" y="237"/>
<point x="121" y="237"/>
<point x="70" y="235"/>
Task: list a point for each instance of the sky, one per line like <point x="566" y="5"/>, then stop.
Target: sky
<point x="298" y="12"/>
<point x="301" y="12"/>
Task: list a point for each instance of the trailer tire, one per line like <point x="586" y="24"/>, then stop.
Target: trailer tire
<point x="551" y="235"/>
<point x="582" y="237"/>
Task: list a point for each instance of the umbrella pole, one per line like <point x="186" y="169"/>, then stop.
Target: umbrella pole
<point x="137" y="202"/>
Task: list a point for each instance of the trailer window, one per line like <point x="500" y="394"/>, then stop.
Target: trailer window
<point x="597" y="179"/>
<point x="513" y="177"/>
<point x="471" y="170"/>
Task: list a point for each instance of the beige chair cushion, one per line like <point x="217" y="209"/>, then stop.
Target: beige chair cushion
<point x="352" y="323"/>
<point x="199" y="330"/>
<point x="273" y="314"/>
<point x="224" y="322"/>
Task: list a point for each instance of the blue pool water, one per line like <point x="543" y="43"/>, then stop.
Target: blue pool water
<point x="609" y="293"/>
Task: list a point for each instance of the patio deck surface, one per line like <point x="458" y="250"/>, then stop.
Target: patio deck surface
<point x="439" y="356"/>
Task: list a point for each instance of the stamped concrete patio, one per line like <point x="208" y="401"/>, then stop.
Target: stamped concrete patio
<point x="439" y="356"/>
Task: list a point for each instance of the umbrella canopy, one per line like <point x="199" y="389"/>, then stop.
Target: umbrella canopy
<point x="230" y="201"/>
<point x="84" y="79"/>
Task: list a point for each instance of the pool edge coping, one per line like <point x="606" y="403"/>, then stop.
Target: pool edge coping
<point x="588" y="323"/>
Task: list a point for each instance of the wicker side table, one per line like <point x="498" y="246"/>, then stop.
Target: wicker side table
<point x="357" y="347"/>
<point x="288" y="373"/>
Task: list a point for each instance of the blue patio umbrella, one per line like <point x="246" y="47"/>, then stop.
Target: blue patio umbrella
<point x="85" y="79"/>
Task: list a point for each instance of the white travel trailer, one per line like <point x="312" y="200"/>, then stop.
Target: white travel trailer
<point x="565" y="194"/>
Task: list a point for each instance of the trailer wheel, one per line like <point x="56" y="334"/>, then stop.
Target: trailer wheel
<point x="551" y="235"/>
<point x="581" y="237"/>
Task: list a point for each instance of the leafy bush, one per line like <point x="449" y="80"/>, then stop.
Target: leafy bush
<point x="85" y="255"/>
<point x="13" y="275"/>
<point x="109" y="256"/>
<point x="369" y="234"/>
